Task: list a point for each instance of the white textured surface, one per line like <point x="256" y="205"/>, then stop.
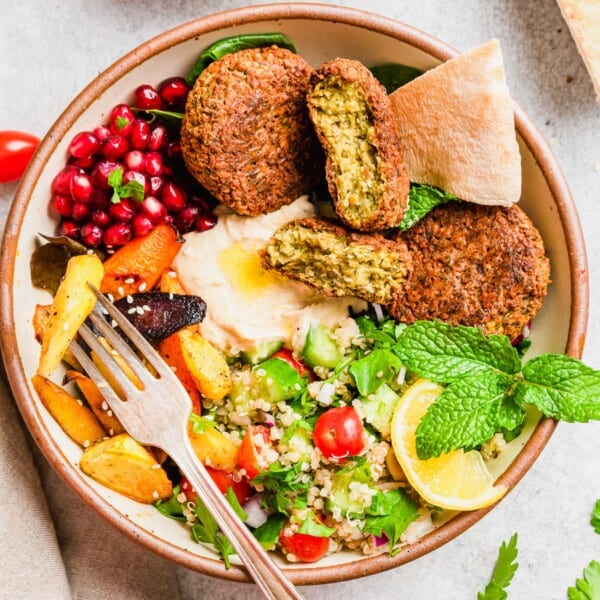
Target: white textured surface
<point x="50" y="50"/>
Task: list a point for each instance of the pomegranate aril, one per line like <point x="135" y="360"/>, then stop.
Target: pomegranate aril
<point x="80" y="211"/>
<point x="174" y="91"/>
<point x="123" y="211"/>
<point x="62" y="204"/>
<point x="154" y="209"/>
<point x="102" y="170"/>
<point x="173" y="197"/>
<point x="156" y="184"/>
<point x="134" y="160"/>
<point x="101" y="132"/>
<point x="139" y="178"/>
<point x="100" y="218"/>
<point x="174" y="149"/>
<point x="81" y="187"/>
<point x="84" y="145"/>
<point x="206" y="222"/>
<point x="153" y="163"/>
<point x="147" y="97"/>
<point x="61" y="184"/>
<point x="121" y="120"/>
<point x="91" y="234"/>
<point x="186" y="218"/>
<point x="100" y="199"/>
<point x="142" y="225"/>
<point x="83" y="163"/>
<point x="140" y="134"/>
<point x="70" y="229"/>
<point x="114" y="146"/>
<point x="117" y="235"/>
<point x="158" y="138"/>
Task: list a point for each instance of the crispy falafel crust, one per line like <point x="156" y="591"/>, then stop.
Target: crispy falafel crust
<point x="474" y="265"/>
<point x="246" y="135"/>
<point x="336" y="261"/>
<point x="378" y="196"/>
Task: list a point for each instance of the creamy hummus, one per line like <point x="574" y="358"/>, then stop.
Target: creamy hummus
<point x="246" y="304"/>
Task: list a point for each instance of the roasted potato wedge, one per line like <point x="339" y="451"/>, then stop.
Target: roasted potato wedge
<point x="41" y="318"/>
<point x="125" y="466"/>
<point x="73" y="302"/>
<point x="214" y="449"/>
<point x="206" y="364"/>
<point x="96" y="401"/>
<point x="76" y="420"/>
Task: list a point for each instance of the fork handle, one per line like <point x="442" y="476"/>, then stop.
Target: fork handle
<point x="267" y="575"/>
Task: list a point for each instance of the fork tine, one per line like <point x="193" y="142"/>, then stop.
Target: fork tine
<point x="127" y="386"/>
<point x="96" y="376"/>
<point x="132" y="333"/>
<point x="119" y="344"/>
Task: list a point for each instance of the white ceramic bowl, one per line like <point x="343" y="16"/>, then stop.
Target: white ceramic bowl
<point x="320" y="33"/>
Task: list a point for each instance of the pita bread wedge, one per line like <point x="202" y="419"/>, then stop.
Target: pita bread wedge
<point x="458" y="131"/>
<point x="583" y="19"/>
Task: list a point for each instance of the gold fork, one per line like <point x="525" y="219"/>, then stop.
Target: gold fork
<point x="158" y="416"/>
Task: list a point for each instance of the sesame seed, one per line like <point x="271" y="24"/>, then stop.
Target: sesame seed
<point x="132" y="310"/>
<point x="104" y="405"/>
<point x="129" y="299"/>
<point x="140" y="310"/>
<point x="90" y="252"/>
<point x="120" y="290"/>
<point x="79" y="402"/>
<point x="170" y="295"/>
<point x="86" y="443"/>
<point x="379" y="374"/>
<point x="172" y="274"/>
<point x="111" y="432"/>
<point x="66" y="327"/>
<point x="130" y="280"/>
<point x="109" y="413"/>
<point x="155" y="494"/>
<point x="110" y="297"/>
<point x="174" y="368"/>
<point x="146" y="308"/>
<point x="155" y="466"/>
<point x="113" y="323"/>
<point x="142" y="286"/>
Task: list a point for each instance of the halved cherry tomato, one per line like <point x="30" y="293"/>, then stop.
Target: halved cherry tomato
<point x="338" y="433"/>
<point x="298" y="365"/>
<point x="304" y="547"/>
<point x="242" y="489"/>
<point x="16" y="149"/>
<point x="252" y="452"/>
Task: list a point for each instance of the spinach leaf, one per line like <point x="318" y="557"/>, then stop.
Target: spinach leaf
<point x="394" y="75"/>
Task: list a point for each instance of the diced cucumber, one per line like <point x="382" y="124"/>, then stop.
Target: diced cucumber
<point x="276" y="380"/>
<point x="262" y="351"/>
<point x="339" y="496"/>
<point x="378" y="408"/>
<point x="320" y="349"/>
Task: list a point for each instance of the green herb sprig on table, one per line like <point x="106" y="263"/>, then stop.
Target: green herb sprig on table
<point x="595" y="520"/>
<point x="503" y="573"/>
<point x="587" y="588"/>
<point x="487" y="388"/>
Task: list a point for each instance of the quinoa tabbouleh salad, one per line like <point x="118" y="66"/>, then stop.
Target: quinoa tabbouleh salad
<point x="353" y="352"/>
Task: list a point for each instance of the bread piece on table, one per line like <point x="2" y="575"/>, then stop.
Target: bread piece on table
<point x="458" y="131"/>
<point x="583" y="19"/>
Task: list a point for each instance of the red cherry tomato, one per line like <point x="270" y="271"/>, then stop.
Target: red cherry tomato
<point x="298" y="365"/>
<point x="16" y="149"/>
<point x="304" y="547"/>
<point x="252" y="451"/>
<point x="224" y="480"/>
<point x="338" y="433"/>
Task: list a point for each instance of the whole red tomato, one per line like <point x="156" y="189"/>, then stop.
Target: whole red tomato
<point x="338" y="433"/>
<point x="305" y="548"/>
<point x="16" y="149"/>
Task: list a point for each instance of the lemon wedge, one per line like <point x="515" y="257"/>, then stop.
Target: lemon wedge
<point x="457" y="480"/>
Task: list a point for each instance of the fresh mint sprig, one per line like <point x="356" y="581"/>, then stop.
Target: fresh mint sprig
<point x="131" y="189"/>
<point x="503" y="573"/>
<point x="487" y="388"/>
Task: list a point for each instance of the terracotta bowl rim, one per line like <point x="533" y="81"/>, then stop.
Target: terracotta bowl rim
<point x="251" y="14"/>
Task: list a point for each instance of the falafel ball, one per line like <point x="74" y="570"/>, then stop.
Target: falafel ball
<point x="353" y="118"/>
<point x="246" y="135"/>
<point x="336" y="261"/>
<point x="483" y="266"/>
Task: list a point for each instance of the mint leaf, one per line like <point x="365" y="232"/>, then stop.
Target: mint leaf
<point x="374" y="369"/>
<point x="561" y="387"/>
<point x="446" y="353"/>
<point x="503" y="572"/>
<point x="132" y="189"/>
<point x="268" y="533"/>
<point x="587" y="588"/>
<point x="115" y="177"/>
<point x="467" y="413"/>
<point x="422" y="199"/>
<point x="595" y="520"/>
<point x="390" y="513"/>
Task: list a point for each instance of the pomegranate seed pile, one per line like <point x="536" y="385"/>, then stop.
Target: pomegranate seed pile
<point x="123" y="178"/>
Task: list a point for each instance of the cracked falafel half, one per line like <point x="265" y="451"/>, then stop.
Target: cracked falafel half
<point x="483" y="266"/>
<point x="246" y="135"/>
<point x="338" y="262"/>
<point x="353" y="118"/>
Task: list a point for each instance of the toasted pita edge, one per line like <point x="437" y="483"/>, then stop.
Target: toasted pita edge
<point x="583" y="20"/>
<point x="457" y="128"/>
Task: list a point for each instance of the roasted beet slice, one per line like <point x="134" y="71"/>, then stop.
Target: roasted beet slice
<point x="157" y="315"/>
